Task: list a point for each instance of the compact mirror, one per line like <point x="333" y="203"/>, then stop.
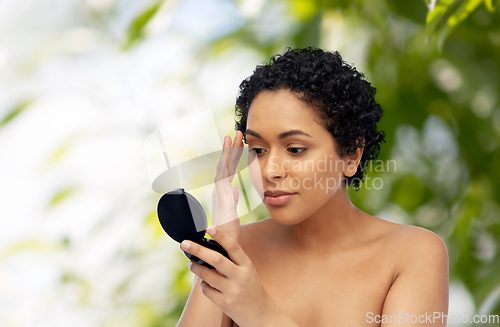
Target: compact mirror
<point x="182" y="217"/>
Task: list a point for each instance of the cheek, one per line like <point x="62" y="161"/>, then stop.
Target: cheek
<point x="256" y="175"/>
<point x="321" y="181"/>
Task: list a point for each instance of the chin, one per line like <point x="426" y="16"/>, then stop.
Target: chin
<point x="297" y="213"/>
<point x="285" y="217"/>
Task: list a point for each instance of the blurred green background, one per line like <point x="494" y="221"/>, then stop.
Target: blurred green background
<point x="83" y="83"/>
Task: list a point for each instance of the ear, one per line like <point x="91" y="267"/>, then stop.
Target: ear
<point x="352" y="161"/>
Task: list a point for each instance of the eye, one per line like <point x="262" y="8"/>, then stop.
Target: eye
<point x="256" y="150"/>
<point x="303" y="149"/>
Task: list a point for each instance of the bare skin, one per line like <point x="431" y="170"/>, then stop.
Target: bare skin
<point x="323" y="261"/>
<point x="339" y="288"/>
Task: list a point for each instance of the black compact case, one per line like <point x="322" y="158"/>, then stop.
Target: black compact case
<point x="182" y="217"/>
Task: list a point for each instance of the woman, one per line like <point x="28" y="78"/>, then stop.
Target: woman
<point x="309" y="120"/>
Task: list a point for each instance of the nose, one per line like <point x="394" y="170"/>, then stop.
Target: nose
<point x="274" y="169"/>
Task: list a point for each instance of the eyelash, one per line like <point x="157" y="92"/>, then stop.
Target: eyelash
<point x="253" y="149"/>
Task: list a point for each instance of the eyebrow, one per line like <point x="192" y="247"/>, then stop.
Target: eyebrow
<point x="280" y="136"/>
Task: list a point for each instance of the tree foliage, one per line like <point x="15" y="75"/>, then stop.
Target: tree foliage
<point x="436" y="67"/>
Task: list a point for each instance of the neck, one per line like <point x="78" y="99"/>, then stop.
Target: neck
<point x="337" y="224"/>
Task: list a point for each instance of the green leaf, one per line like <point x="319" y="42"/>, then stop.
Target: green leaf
<point x="62" y="149"/>
<point x="136" y="28"/>
<point x="30" y="244"/>
<point x="20" y="107"/>
<point x="61" y="195"/>
<point x="489" y="5"/>
<point x="445" y="16"/>
<point x="58" y="154"/>
<point x="304" y="10"/>
<point x="462" y="12"/>
<point x="436" y="20"/>
<point x="439" y="9"/>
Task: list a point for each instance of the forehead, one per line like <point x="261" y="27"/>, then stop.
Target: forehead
<point x="280" y="110"/>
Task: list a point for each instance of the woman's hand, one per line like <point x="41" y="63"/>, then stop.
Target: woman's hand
<point x="225" y="196"/>
<point x="235" y="287"/>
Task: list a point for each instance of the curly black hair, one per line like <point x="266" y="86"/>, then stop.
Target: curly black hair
<point x="343" y="101"/>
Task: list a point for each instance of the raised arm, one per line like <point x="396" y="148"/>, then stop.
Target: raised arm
<point x="199" y="310"/>
<point x="419" y="293"/>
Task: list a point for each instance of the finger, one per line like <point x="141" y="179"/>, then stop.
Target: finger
<point x="223" y="191"/>
<point x="222" y="156"/>
<point x="222" y="184"/>
<point x="223" y="165"/>
<point x="211" y="293"/>
<point x="217" y="260"/>
<point x="236" y="152"/>
<point x="230" y="153"/>
<point x="238" y="139"/>
<point x="213" y="278"/>
<point x="239" y="142"/>
<point x="233" y="248"/>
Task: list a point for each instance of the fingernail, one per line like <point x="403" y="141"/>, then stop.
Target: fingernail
<point x="186" y="245"/>
<point x="211" y="231"/>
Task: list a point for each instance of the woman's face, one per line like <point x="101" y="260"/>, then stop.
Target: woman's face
<point x="304" y="162"/>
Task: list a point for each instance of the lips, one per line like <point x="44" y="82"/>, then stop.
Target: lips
<point x="280" y="200"/>
<point x="276" y="193"/>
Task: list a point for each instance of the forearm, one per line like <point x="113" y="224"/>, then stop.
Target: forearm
<point x="199" y="310"/>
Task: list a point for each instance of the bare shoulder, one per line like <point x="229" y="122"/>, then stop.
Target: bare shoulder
<point x="414" y="238"/>
<point x="415" y="246"/>
<point x="420" y="278"/>
<point x="406" y="238"/>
